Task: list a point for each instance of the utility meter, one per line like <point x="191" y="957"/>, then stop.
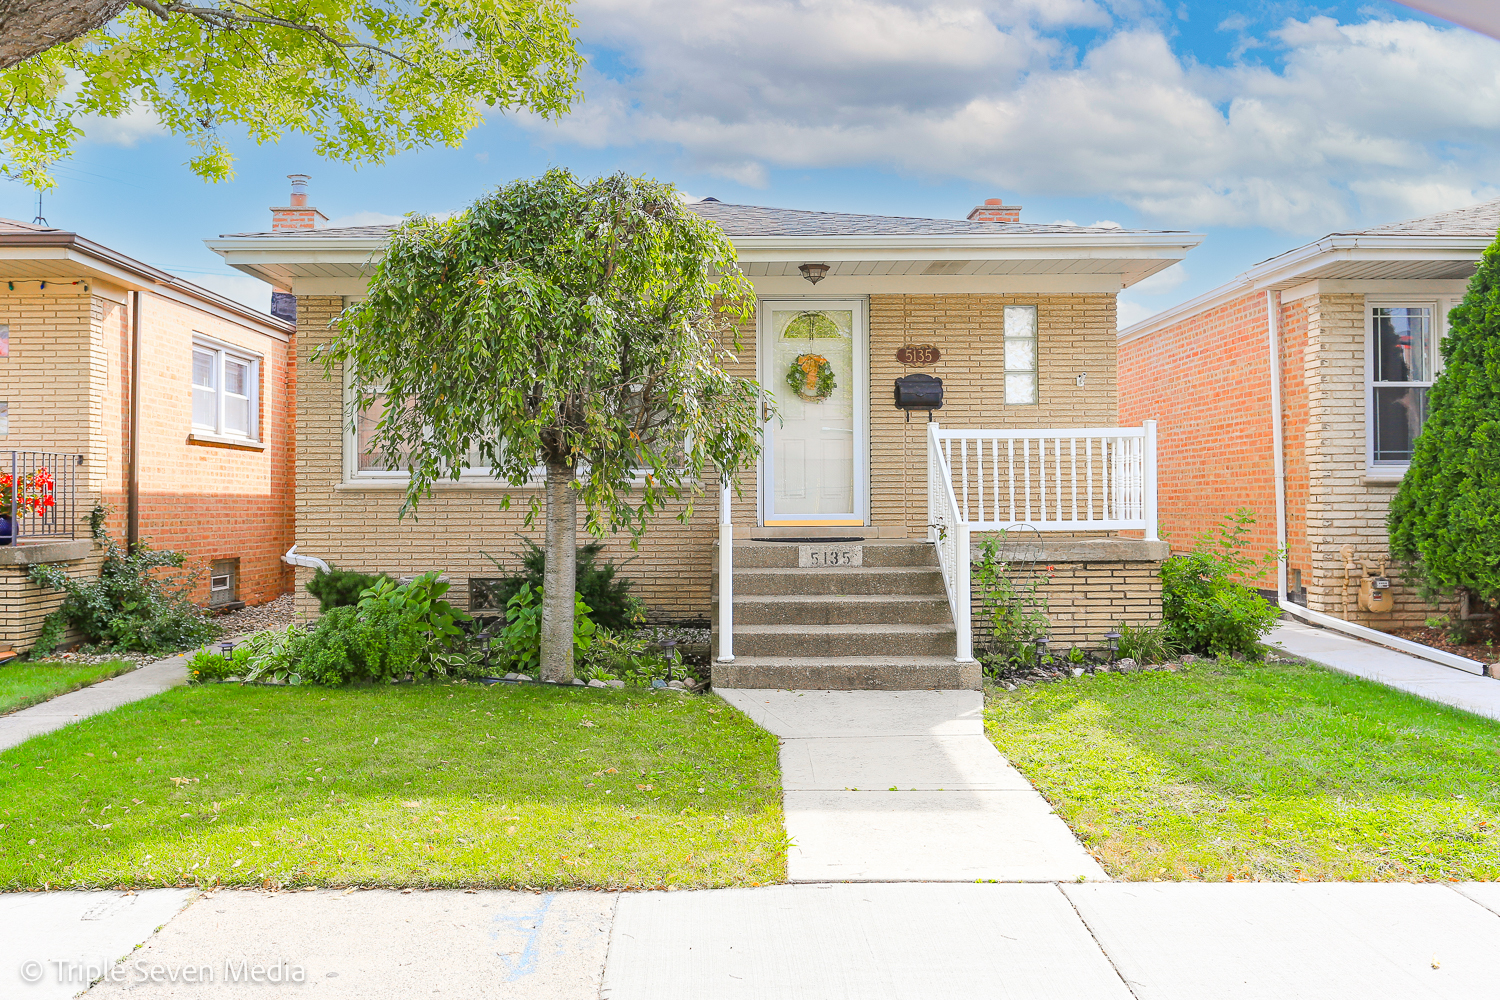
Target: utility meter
<point x="1376" y="596"/>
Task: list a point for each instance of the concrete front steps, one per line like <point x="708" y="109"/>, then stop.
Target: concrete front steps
<point x="883" y="625"/>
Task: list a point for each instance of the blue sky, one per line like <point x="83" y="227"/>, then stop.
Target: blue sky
<point x="1261" y="124"/>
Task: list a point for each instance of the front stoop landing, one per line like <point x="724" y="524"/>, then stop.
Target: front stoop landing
<point x="881" y="626"/>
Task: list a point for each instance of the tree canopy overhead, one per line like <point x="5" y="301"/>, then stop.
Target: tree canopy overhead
<point x="1446" y="514"/>
<point x="364" y="78"/>
<point x="581" y="327"/>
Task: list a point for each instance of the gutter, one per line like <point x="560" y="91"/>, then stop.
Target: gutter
<point x="133" y="483"/>
<point x="1318" y="618"/>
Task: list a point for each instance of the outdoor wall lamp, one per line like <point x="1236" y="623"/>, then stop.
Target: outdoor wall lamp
<point x="1114" y="644"/>
<point x="813" y="272"/>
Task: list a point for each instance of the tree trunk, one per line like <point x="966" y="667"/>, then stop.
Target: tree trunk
<point x="28" y="27"/>
<point x="559" y="579"/>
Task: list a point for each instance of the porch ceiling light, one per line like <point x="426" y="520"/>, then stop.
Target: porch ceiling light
<point x="813" y="272"/>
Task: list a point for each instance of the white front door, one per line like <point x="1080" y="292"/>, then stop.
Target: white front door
<point x="814" y="363"/>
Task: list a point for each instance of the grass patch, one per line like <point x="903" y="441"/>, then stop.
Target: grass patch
<point x="25" y="684"/>
<point x="1230" y="771"/>
<point x="416" y="785"/>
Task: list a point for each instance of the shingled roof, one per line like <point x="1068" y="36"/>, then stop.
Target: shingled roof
<point x="756" y="220"/>
<point x="1476" y="220"/>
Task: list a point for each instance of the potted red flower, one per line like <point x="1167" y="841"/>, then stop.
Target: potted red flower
<point x="34" y="497"/>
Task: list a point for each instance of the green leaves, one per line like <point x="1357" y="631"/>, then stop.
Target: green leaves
<point x="364" y="78"/>
<point x="563" y="323"/>
<point x="1446" y="514"/>
<point x="1205" y="607"/>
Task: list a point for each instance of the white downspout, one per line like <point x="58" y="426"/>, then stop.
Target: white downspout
<point x="1273" y="340"/>
<point x="293" y="558"/>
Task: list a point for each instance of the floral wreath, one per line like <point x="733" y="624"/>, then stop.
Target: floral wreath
<point x="811" y="377"/>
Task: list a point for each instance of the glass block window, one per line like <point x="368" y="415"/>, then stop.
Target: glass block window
<point x="1020" y="355"/>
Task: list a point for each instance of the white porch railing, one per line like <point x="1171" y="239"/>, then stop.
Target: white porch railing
<point x="726" y="576"/>
<point x="1087" y="479"/>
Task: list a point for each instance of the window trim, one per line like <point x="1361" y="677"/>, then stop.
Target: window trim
<point x="221" y="350"/>
<point x="1388" y="470"/>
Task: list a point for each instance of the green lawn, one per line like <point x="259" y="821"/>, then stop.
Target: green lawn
<point x="1231" y="771"/>
<point x="25" y="684"/>
<point x="429" y="785"/>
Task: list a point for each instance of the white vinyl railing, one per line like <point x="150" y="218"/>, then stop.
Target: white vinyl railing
<point x="726" y="576"/>
<point x="1086" y="479"/>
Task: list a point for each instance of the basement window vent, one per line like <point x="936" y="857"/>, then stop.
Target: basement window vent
<point x="223" y="582"/>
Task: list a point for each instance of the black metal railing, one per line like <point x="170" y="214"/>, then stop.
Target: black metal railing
<point x="38" y="496"/>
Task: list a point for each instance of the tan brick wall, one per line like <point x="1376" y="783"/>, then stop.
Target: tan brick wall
<point x="1342" y="509"/>
<point x="359" y="529"/>
<point x="25" y="605"/>
<point x="1076" y="333"/>
<point x="67" y="380"/>
<point x="1086" y="600"/>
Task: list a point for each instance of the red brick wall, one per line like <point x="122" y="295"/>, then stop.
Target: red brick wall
<point x="1206" y="381"/>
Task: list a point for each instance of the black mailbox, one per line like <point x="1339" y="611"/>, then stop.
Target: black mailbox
<point x="919" y="392"/>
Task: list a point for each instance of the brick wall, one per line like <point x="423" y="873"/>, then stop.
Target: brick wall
<point x="358" y="528"/>
<point x="1087" y="599"/>
<point x="67" y="382"/>
<point x="1206" y="380"/>
<point x="1076" y="333"/>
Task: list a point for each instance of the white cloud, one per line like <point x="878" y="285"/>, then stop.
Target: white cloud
<point x="1369" y="121"/>
<point x="1162" y="282"/>
<point x="1129" y="313"/>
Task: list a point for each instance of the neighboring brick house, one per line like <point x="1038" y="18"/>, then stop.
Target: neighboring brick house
<point x="176" y="399"/>
<point x="1331" y="347"/>
<point x="1023" y="317"/>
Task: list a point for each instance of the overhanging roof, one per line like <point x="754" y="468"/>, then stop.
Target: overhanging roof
<point x="773" y="242"/>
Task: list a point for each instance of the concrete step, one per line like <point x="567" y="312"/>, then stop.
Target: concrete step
<point x="847" y="673"/>
<point x="761" y="554"/>
<point x="860" y="580"/>
<point x="823" y="609"/>
<point x="844" y="640"/>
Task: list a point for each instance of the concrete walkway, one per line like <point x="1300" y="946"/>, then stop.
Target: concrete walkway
<point x="860" y="941"/>
<point x="1347" y="655"/>
<point x="891" y="786"/>
<point x="153" y="678"/>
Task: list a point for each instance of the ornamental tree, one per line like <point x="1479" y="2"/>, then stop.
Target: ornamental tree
<point x="562" y="325"/>
<point x="1446" y="515"/>
<point x="364" y="78"/>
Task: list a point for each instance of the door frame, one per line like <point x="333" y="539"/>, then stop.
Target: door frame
<point x="861" y="377"/>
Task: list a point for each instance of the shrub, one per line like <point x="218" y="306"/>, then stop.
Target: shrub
<point x="130" y="606"/>
<point x="1011" y="602"/>
<point x="522" y="637"/>
<point x="1146" y="643"/>
<point x="208" y="665"/>
<point x="626" y="656"/>
<point x="339" y="588"/>
<point x="614" y="607"/>
<point x="1205" y="607"/>
<point x="1445" y="517"/>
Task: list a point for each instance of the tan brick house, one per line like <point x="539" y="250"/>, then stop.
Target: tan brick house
<point x="164" y="401"/>
<point x="1297" y="390"/>
<point x="1018" y="320"/>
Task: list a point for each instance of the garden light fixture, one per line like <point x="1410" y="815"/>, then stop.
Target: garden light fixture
<point x="1041" y="648"/>
<point x="227" y="648"/>
<point x="813" y="272"/>
<point x="1114" y="644"/>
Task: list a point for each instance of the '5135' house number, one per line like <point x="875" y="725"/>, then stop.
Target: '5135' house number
<point x="918" y="354"/>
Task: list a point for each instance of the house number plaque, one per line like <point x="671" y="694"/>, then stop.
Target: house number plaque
<point x="918" y="354"/>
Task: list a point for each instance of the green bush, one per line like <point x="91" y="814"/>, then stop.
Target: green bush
<point x="1445" y="517"/>
<point x="627" y="656"/>
<point x="130" y="606"/>
<point x="1205" y="607"/>
<point x="340" y="588"/>
<point x="522" y="637"/>
<point x="614" y="607"/>
<point x="1012" y="605"/>
<point x="208" y="665"/>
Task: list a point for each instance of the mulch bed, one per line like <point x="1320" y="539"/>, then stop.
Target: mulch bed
<point x="1437" y="638"/>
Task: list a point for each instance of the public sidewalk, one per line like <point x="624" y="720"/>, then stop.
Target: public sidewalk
<point x="151" y="679"/>
<point x="1402" y="671"/>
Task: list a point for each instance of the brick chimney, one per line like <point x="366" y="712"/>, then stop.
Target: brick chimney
<point x="995" y="210"/>
<point x="297" y="215"/>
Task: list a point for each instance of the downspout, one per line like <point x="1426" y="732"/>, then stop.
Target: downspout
<point x="133" y="480"/>
<point x="1318" y="618"/>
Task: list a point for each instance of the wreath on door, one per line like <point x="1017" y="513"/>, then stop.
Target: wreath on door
<point x="811" y="377"/>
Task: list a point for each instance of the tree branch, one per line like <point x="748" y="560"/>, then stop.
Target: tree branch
<point x="225" y="19"/>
